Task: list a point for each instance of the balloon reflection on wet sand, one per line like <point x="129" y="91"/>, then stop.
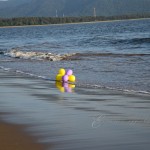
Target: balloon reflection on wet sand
<point x="65" y="87"/>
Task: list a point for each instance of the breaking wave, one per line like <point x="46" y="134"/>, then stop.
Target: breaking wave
<point x="37" y="55"/>
<point x="47" y="56"/>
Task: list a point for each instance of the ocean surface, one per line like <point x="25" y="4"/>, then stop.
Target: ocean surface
<point x="113" y="55"/>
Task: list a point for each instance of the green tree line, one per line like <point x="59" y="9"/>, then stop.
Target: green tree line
<point x="22" y="21"/>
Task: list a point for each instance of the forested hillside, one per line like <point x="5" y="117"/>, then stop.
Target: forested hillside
<point x="23" y="21"/>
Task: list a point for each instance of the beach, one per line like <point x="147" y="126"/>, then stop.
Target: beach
<point x="35" y="114"/>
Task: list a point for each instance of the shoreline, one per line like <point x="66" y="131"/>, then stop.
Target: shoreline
<point x="75" y="23"/>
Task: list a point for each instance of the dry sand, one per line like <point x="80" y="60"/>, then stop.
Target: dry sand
<point x="12" y="137"/>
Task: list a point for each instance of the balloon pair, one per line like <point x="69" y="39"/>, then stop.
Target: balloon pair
<point x="65" y="76"/>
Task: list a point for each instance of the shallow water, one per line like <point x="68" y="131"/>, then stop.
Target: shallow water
<point x="112" y="55"/>
<point x="85" y="119"/>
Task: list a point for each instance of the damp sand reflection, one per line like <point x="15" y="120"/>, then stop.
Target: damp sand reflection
<point x="65" y="87"/>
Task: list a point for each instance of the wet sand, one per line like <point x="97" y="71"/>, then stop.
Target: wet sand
<point x="37" y="114"/>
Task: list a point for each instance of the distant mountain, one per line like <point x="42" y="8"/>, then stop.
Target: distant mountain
<point x="51" y="8"/>
<point x="11" y="3"/>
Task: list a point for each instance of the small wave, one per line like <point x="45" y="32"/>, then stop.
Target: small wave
<point x="139" y="92"/>
<point x="117" y="89"/>
<point x="109" y="54"/>
<point x="140" y="40"/>
<point x="6" y="60"/>
<point x="37" y="55"/>
<point x="132" y="41"/>
<point x="2" y="52"/>
<point x="5" y="69"/>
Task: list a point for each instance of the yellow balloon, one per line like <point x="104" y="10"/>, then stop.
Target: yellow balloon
<point x="62" y="71"/>
<point x="59" y="77"/>
<point x="72" y="78"/>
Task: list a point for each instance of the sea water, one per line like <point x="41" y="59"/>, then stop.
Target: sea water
<point x="114" y="55"/>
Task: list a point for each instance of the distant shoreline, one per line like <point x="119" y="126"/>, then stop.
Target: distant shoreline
<point x="82" y="22"/>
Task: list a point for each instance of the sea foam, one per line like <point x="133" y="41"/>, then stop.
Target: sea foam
<point x="37" y="55"/>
